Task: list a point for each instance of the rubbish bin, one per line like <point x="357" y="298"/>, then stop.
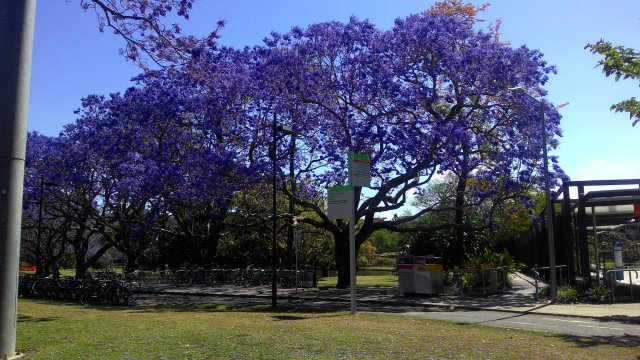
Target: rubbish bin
<point x="405" y="279"/>
<point x="421" y="275"/>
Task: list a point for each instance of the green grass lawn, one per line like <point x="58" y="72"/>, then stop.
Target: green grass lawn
<point x="58" y="331"/>
<point x="362" y="280"/>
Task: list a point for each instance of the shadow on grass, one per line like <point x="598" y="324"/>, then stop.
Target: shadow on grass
<point x="187" y="305"/>
<point x="27" y="319"/>
<point x="191" y="307"/>
<point x="624" y="341"/>
<point x="289" y="317"/>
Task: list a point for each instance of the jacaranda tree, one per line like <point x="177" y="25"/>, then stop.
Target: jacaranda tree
<point x="428" y="96"/>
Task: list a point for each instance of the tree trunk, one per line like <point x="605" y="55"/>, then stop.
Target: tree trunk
<point x="130" y="266"/>
<point x="81" y="267"/>
<point x="82" y="264"/>
<point x="459" y="248"/>
<point x="216" y="227"/>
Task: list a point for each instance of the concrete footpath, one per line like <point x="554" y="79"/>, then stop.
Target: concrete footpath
<point x="518" y="299"/>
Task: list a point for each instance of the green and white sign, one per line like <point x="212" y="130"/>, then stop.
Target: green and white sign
<point x="359" y="169"/>
<point x="340" y="202"/>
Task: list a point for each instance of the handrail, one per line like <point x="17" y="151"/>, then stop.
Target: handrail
<point x="613" y="281"/>
<point x="537" y="276"/>
<point x="503" y="269"/>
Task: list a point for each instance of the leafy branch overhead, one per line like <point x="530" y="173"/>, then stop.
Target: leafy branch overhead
<point x="147" y="38"/>
<point x="621" y="62"/>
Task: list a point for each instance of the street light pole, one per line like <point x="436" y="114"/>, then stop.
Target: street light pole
<point x="547" y="193"/>
<point x="292" y="190"/>
<point x="548" y="209"/>
<point x="16" y="45"/>
<point x="39" y="267"/>
<point x="274" y="242"/>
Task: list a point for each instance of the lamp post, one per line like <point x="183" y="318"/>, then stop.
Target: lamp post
<point x="547" y="193"/>
<point x="16" y="42"/>
<point x="274" y="242"/>
<point x="39" y="269"/>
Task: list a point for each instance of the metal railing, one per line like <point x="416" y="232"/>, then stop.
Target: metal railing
<point x="490" y="280"/>
<point x="608" y="274"/>
<point x="537" y="276"/>
<point x="214" y="277"/>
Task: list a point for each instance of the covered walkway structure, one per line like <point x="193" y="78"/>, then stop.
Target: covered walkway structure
<point x="612" y="207"/>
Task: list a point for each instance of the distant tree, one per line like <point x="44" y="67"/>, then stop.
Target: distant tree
<point x="70" y="210"/>
<point x="466" y="12"/>
<point x="621" y="62"/>
<point x="384" y="241"/>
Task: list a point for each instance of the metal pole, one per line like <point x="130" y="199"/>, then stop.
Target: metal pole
<point x="595" y="242"/>
<point x="352" y="242"/>
<point x="39" y="269"/>
<point x="549" y="212"/>
<point x="16" y="46"/>
<point x="292" y="189"/>
<point x="274" y="242"/>
<point x="352" y="257"/>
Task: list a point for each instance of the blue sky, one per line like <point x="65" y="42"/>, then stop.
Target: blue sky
<point x="73" y="59"/>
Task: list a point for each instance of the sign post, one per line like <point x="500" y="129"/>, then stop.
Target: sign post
<point x="359" y="169"/>
<point x="341" y="204"/>
<point x="359" y="175"/>
<point x="617" y="259"/>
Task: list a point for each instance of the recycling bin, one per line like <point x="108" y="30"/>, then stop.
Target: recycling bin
<point x="421" y="275"/>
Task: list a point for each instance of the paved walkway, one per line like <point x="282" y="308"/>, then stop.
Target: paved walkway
<point x="518" y="299"/>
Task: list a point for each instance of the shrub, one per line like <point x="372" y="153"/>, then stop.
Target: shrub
<point x="568" y="295"/>
<point x="544" y="292"/>
<point x="599" y="294"/>
<point x="366" y="254"/>
<point x="473" y="280"/>
<point x="489" y="259"/>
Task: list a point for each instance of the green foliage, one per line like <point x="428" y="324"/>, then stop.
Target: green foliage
<point x="470" y="276"/>
<point x="383" y="261"/>
<point x="568" y="295"/>
<point x="598" y="294"/>
<point x="384" y="240"/>
<point x="490" y="260"/>
<point x="621" y="62"/>
<point x="632" y="106"/>
<point x="618" y="61"/>
<point x="366" y="254"/>
<point x="513" y="218"/>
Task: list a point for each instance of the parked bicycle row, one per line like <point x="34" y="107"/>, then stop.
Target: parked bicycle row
<point x="216" y="277"/>
<point x="85" y="291"/>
